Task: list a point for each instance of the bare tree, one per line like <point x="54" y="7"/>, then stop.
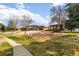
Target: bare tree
<point x="15" y="20"/>
<point x="27" y="20"/>
<point x="11" y="26"/>
<point x="58" y="14"/>
<point x="12" y="23"/>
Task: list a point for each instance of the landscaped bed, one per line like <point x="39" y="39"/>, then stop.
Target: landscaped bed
<point x="6" y="49"/>
<point x="55" y="45"/>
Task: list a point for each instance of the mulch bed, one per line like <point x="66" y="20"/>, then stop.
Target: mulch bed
<point x="40" y="35"/>
<point x="46" y="35"/>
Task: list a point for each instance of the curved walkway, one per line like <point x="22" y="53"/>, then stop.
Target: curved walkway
<point x="18" y="49"/>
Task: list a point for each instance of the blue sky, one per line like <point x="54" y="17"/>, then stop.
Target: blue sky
<point x="39" y="11"/>
<point x="40" y="8"/>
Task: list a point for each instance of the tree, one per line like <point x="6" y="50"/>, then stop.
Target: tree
<point x="14" y="20"/>
<point x="2" y="27"/>
<point x="58" y="14"/>
<point x="70" y="25"/>
<point x="73" y="14"/>
<point x="11" y="26"/>
<point x="26" y="22"/>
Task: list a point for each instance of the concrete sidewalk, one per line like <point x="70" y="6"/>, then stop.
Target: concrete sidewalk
<point x="18" y="49"/>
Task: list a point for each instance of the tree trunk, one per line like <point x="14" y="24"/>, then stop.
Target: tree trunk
<point x="26" y="29"/>
<point x="59" y="27"/>
<point x="71" y="30"/>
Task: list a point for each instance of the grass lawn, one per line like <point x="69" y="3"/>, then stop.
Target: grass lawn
<point x="6" y="49"/>
<point x="53" y="46"/>
<point x="21" y="39"/>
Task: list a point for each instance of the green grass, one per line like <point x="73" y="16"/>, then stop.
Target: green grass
<point x="72" y="33"/>
<point x="55" y="46"/>
<point x="6" y="49"/>
<point x="21" y="39"/>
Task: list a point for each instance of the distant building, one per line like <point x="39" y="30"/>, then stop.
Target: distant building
<point x="45" y="28"/>
<point x="55" y="26"/>
<point x="34" y="27"/>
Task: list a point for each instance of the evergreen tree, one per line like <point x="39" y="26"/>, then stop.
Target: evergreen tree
<point x="11" y="25"/>
<point x="2" y="27"/>
<point x="73" y="14"/>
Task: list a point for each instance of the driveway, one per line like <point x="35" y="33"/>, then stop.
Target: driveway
<point x="23" y="32"/>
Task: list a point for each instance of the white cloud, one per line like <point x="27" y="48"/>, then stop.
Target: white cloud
<point x="20" y="5"/>
<point x="19" y="12"/>
<point x="56" y="4"/>
<point x="35" y="17"/>
<point x="2" y="6"/>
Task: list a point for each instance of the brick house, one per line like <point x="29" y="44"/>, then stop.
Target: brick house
<point x="34" y="27"/>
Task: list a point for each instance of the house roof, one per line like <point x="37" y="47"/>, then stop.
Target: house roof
<point x="53" y="23"/>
